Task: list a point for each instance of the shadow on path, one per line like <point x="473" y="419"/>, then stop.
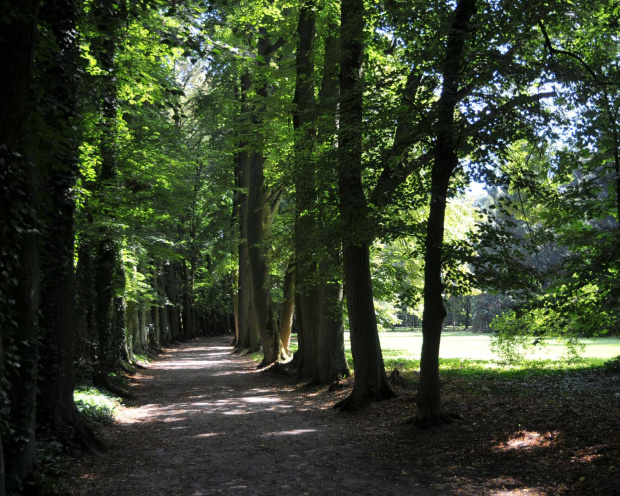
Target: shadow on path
<point x="205" y="421"/>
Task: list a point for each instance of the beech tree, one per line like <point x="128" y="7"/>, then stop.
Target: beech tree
<point x="370" y="378"/>
<point x="317" y="249"/>
<point x="20" y="263"/>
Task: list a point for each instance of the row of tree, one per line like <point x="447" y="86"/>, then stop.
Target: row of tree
<point x="106" y="231"/>
<point x="394" y="110"/>
<point x="176" y="168"/>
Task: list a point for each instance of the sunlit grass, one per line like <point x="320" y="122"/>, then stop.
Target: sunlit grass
<point x="95" y="404"/>
<point x="474" y="346"/>
<point x="467" y="358"/>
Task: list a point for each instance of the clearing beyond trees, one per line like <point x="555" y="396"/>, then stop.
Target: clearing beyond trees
<point x="206" y="421"/>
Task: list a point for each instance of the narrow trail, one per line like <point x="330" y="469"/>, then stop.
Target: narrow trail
<point x="205" y="421"/>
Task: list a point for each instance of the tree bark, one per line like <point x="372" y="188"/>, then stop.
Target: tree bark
<point x="288" y="308"/>
<point x="20" y="447"/>
<point x="107" y="256"/>
<point x="18" y="193"/>
<point x="332" y="361"/>
<point x="304" y="122"/>
<point x="370" y="380"/>
<point x="59" y="170"/>
<point x="321" y="335"/>
<point x="258" y="219"/>
<point x="248" y="330"/>
<point x="444" y="165"/>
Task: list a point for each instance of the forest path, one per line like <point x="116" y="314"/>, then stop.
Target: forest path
<point x="206" y="421"/>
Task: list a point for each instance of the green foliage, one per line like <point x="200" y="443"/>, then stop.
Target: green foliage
<point x="518" y="334"/>
<point x="95" y="404"/>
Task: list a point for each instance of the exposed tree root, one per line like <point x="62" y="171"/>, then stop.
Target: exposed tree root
<point x="73" y="431"/>
<point x="276" y="368"/>
<point x="100" y="379"/>
<point x="264" y="364"/>
<point x="362" y="396"/>
<point x="433" y="421"/>
<point x="338" y="386"/>
<point x="139" y="366"/>
<point x="85" y="437"/>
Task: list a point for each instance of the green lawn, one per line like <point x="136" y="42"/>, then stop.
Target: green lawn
<point x="471" y="346"/>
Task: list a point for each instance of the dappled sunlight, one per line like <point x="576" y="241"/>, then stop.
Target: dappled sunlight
<point x="190" y="364"/>
<point x="209" y="434"/>
<point x="258" y="399"/>
<point x="526" y="440"/>
<point x="511" y="486"/>
<point x="235" y="372"/>
<point x="295" y="432"/>
<point x="590" y="454"/>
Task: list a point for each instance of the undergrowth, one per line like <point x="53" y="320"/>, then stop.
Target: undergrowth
<point x="95" y="404"/>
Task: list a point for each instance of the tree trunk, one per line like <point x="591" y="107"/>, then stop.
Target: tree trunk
<point x="467" y="312"/>
<point x="107" y="256"/>
<point x="17" y="196"/>
<point x="444" y="165"/>
<point x="288" y="308"/>
<point x="155" y="313"/>
<point x="370" y="380"/>
<point x="258" y="219"/>
<point x="22" y="395"/>
<point x="429" y="395"/>
<point x="248" y="330"/>
<point x="188" y="299"/>
<point x="332" y="361"/>
<point x="56" y="405"/>
<point x="172" y="291"/>
<point x="304" y="122"/>
<point x="104" y="265"/>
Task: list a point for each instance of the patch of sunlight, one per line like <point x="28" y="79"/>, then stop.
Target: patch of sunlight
<point x="295" y="432"/>
<point x="524" y="440"/>
<point x="261" y="399"/>
<point x="211" y="348"/>
<point x="191" y="364"/>
<point x="210" y="434"/>
<point x="509" y="486"/>
<point x="590" y="454"/>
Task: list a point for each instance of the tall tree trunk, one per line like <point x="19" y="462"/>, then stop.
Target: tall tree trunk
<point x="17" y="195"/>
<point x="56" y="406"/>
<point x="321" y="337"/>
<point x="304" y="122"/>
<point x="248" y="330"/>
<point x="258" y="220"/>
<point x="107" y="256"/>
<point x="444" y="165"/>
<point x="188" y="303"/>
<point x="156" y="337"/>
<point x="22" y="395"/>
<point x="370" y="380"/>
<point x="172" y="291"/>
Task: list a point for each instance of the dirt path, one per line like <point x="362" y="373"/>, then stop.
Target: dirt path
<point x="205" y="421"/>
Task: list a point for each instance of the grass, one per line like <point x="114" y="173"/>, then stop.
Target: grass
<point x="466" y="356"/>
<point x="467" y="359"/>
<point x="474" y="346"/>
